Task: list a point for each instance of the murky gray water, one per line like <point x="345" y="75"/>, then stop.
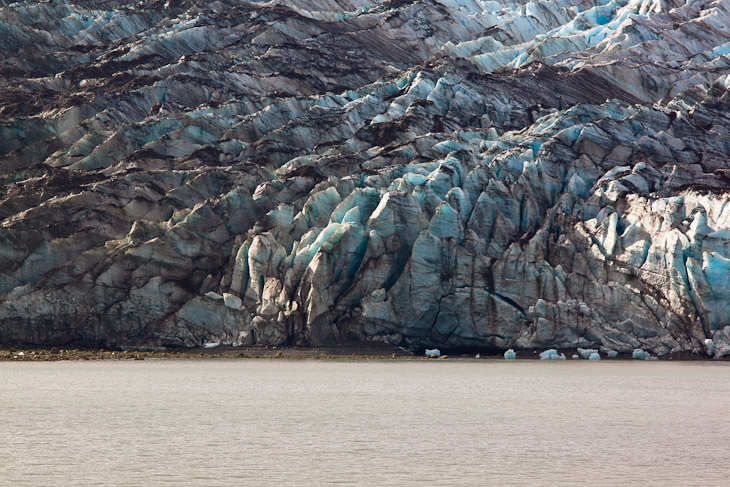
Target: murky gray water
<point x="279" y="423"/>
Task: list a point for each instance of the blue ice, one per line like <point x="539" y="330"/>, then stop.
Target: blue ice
<point x="639" y="354"/>
<point x="551" y="354"/>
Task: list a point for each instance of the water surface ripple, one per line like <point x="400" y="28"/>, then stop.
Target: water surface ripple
<point x="312" y="423"/>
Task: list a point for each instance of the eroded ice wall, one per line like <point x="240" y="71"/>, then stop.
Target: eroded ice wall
<point x="454" y="173"/>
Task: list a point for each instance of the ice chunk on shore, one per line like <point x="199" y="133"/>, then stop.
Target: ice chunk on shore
<point x="211" y="344"/>
<point x="594" y="356"/>
<point x="639" y="354"/>
<point x="551" y="354"/>
<point x="710" y="345"/>
<point x="586" y="352"/>
<point x="510" y="354"/>
<point x="612" y="353"/>
<point x="435" y="352"/>
<point x="547" y="354"/>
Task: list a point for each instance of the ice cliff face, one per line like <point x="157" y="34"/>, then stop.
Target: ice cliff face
<point x="454" y="173"/>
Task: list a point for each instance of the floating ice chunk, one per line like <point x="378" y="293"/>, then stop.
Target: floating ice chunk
<point x="211" y="344"/>
<point x="433" y="352"/>
<point x="586" y="352"/>
<point x="510" y="354"/>
<point x="639" y="354"/>
<point x="575" y="357"/>
<point x="594" y="356"/>
<point x="710" y="345"/>
<point x="649" y="357"/>
<point x="612" y="353"/>
<point x="477" y="356"/>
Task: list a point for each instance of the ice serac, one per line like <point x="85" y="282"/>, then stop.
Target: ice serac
<point x="453" y="174"/>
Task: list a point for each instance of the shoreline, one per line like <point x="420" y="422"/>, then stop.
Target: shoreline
<point x="351" y="351"/>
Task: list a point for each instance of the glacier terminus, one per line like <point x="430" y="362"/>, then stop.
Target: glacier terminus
<point x="460" y="174"/>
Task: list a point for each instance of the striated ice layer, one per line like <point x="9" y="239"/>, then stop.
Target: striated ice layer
<point x="457" y="174"/>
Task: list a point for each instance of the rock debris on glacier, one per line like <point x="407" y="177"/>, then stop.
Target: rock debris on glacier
<point x="455" y="173"/>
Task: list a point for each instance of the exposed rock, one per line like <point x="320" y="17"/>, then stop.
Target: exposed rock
<point x="456" y="174"/>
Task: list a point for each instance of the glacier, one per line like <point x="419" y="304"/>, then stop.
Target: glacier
<point x="460" y="174"/>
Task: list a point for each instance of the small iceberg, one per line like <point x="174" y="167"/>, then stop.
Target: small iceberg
<point x="551" y="354"/>
<point x="510" y="355"/>
<point x="612" y="353"/>
<point x="710" y="346"/>
<point x="594" y="356"/>
<point x="547" y="354"/>
<point x="587" y="352"/>
<point x="433" y="353"/>
<point x="575" y="357"/>
<point x="639" y="354"/>
<point x="211" y="344"/>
